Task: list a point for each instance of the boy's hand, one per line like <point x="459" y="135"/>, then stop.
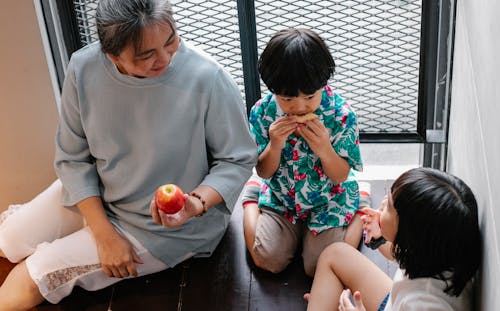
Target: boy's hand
<point x="317" y="136"/>
<point x="279" y="132"/>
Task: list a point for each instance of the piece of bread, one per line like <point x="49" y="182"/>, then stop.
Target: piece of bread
<point x="306" y="117"/>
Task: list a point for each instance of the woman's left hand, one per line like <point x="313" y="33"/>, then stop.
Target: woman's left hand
<point x="317" y="136"/>
<point x="192" y="207"/>
<point x="345" y="302"/>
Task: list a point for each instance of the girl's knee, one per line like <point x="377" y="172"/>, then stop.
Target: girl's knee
<point x="327" y="257"/>
<point x="333" y="251"/>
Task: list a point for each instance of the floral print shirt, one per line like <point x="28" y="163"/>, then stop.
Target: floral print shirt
<point x="300" y="190"/>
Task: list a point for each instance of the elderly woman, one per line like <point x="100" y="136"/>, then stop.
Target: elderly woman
<point x="140" y="108"/>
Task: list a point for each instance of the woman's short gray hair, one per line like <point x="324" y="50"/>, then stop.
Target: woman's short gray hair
<point x="121" y="22"/>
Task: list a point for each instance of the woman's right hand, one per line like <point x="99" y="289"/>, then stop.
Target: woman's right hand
<point x="117" y="256"/>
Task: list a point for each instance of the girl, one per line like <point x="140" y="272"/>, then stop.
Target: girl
<point x="430" y="222"/>
<point x="307" y="140"/>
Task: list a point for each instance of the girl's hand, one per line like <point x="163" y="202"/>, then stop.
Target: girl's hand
<point x="117" y="256"/>
<point x="317" y="136"/>
<point x="280" y="130"/>
<point x="192" y="207"/>
<point x="345" y="303"/>
<point x="371" y="223"/>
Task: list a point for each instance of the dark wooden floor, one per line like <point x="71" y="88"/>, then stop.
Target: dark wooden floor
<point x="226" y="281"/>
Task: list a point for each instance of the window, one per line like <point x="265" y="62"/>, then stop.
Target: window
<point x="389" y="54"/>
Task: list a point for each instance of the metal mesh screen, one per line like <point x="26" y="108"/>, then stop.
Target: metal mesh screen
<point x="210" y="25"/>
<point x="85" y="17"/>
<point x="213" y="26"/>
<point x="375" y="44"/>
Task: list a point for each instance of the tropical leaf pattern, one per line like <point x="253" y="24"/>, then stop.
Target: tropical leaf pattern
<point x="300" y="190"/>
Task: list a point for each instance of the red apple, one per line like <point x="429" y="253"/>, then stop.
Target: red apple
<point x="169" y="198"/>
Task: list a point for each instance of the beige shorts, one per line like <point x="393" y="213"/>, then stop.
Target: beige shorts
<point x="277" y="239"/>
<point x="59" y="250"/>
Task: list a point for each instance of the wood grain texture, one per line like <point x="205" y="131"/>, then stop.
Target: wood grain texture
<point x="226" y="281"/>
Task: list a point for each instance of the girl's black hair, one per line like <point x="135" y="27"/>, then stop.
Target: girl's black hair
<point x="295" y="59"/>
<point x="438" y="233"/>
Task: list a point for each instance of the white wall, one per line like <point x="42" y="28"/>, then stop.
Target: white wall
<point x="474" y="141"/>
<point x="28" y="112"/>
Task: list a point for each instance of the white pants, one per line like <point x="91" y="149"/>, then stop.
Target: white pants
<point x="60" y="251"/>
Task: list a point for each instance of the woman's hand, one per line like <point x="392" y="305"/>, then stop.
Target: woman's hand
<point x="192" y="207"/>
<point x="345" y="303"/>
<point x="117" y="256"/>
<point x="317" y="136"/>
<point x="280" y="130"/>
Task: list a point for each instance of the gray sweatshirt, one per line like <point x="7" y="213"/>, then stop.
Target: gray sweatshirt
<point x="120" y="137"/>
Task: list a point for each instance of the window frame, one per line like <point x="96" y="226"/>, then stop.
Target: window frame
<point x="436" y="60"/>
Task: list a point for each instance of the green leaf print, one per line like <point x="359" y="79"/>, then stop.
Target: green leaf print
<point x="305" y="165"/>
<point x="329" y="122"/>
<point x="341" y="198"/>
<point x="320" y="201"/>
<point x="313" y="180"/>
<point x="283" y="180"/>
<point x="351" y="188"/>
<point x="333" y="221"/>
<point x="300" y="196"/>
<point x="299" y="185"/>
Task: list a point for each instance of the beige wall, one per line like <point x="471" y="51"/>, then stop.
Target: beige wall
<point x="28" y="112"/>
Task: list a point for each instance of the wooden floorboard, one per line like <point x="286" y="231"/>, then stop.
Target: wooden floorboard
<point x="80" y="300"/>
<point x="226" y="281"/>
<point x="159" y="291"/>
<point x="5" y="267"/>
<point x="221" y="282"/>
<point x="282" y="291"/>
